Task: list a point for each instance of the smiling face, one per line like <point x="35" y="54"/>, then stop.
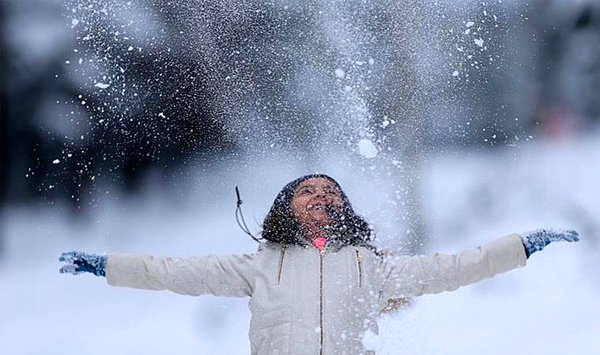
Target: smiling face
<point x="312" y="206"/>
<point x="311" y="201"/>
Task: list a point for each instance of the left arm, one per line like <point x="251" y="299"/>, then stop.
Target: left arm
<point x="418" y="275"/>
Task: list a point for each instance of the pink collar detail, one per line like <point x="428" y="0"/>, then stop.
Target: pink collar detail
<point x="319" y="242"/>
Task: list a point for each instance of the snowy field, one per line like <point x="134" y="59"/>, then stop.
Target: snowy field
<point x="549" y="307"/>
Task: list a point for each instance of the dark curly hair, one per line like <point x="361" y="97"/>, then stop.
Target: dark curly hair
<point x="281" y="226"/>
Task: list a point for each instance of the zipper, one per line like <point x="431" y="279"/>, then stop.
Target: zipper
<point x="281" y="264"/>
<point x="359" y="263"/>
<point x="321" y="302"/>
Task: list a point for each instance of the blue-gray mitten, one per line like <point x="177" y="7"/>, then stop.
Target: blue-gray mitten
<point x="536" y="240"/>
<point x="79" y="262"/>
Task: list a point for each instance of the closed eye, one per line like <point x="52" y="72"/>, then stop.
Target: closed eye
<point x="305" y="190"/>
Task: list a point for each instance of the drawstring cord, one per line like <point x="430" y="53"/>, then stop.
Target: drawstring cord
<point x="239" y="216"/>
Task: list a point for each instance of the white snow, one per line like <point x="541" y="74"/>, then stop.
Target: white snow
<point x="367" y="149"/>
<point x="56" y="161"/>
<point x="478" y="42"/>
<point x="470" y="197"/>
<point x="340" y="73"/>
<point x="101" y="85"/>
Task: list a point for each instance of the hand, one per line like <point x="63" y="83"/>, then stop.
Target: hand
<point x="536" y="240"/>
<point x="78" y="262"/>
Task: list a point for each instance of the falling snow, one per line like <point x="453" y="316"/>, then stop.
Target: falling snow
<point x="182" y="86"/>
<point x="367" y="149"/>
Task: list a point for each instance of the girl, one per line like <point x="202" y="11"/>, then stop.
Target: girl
<point x="317" y="283"/>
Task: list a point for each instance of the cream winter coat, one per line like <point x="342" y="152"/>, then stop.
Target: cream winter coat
<point x="308" y="302"/>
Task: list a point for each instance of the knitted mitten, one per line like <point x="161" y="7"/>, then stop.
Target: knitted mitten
<point x="537" y="239"/>
<point x="79" y="262"/>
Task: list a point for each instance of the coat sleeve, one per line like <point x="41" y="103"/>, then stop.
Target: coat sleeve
<point x="216" y="275"/>
<point x="418" y="275"/>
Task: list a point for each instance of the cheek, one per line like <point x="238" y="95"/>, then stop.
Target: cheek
<point x="338" y="201"/>
<point x="297" y="208"/>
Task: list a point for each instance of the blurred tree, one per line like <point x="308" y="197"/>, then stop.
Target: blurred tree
<point x="67" y="129"/>
<point x="567" y="71"/>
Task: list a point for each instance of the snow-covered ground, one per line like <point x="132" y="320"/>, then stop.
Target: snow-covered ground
<point x="549" y="307"/>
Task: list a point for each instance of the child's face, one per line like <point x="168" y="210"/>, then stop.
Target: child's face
<point x="311" y="199"/>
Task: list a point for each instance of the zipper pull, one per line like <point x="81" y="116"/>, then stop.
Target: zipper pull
<point x="360" y="271"/>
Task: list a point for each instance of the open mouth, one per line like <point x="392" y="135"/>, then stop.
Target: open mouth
<point x="317" y="207"/>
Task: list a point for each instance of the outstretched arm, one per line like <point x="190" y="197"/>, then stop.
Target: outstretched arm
<point x="217" y="275"/>
<point x="418" y="275"/>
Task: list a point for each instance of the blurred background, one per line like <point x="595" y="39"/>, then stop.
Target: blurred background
<point x="126" y="125"/>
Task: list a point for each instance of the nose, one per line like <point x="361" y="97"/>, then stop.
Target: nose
<point x="320" y="193"/>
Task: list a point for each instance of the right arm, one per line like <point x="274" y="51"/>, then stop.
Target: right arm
<point x="215" y="275"/>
